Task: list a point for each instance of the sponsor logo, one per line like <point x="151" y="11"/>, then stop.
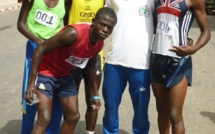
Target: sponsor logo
<point x="177" y="6"/>
<point x="142" y="89"/>
<point x="87" y="8"/>
<point x="42" y="87"/>
<point x="144" y="10"/>
<point x="87" y="15"/>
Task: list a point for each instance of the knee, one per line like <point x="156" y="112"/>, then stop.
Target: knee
<point x="73" y="118"/>
<point x="175" y="117"/>
<point x="44" y="121"/>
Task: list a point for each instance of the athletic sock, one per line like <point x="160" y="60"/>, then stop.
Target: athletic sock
<point x="89" y="132"/>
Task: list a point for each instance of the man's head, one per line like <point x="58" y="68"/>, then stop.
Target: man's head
<point x="103" y="23"/>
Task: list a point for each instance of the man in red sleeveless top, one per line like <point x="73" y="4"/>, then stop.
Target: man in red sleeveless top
<point x="74" y="46"/>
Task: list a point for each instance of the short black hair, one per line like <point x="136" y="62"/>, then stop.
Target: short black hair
<point x="106" y="11"/>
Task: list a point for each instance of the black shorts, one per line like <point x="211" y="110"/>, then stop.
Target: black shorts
<point x="77" y="73"/>
<point x="170" y="70"/>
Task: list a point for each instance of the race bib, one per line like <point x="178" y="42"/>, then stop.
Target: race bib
<point x="46" y="18"/>
<point x="78" y="62"/>
<point x="165" y="27"/>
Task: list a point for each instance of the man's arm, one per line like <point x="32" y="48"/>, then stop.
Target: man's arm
<point x="21" y="23"/>
<point x="67" y="37"/>
<point x="90" y="71"/>
<point x="202" y="20"/>
<point x="200" y="15"/>
<point x="68" y="5"/>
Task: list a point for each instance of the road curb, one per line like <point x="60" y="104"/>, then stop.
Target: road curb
<point x="10" y="8"/>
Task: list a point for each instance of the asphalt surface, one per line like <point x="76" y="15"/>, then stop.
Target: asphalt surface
<point x="199" y="107"/>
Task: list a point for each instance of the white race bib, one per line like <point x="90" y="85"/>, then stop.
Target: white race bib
<point x="78" y="62"/>
<point x="165" y="27"/>
<point x="46" y="18"/>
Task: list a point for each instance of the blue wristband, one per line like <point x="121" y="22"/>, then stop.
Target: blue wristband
<point x="96" y="97"/>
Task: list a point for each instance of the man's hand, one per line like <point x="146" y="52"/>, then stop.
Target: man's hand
<point x="29" y="93"/>
<point x="96" y="103"/>
<point x="183" y="50"/>
<point x="189" y="42"/>
<point x="39" y="42"/>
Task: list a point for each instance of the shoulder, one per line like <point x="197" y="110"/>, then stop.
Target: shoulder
<point x="68" y="35"/>
<point x="69" y="30"/>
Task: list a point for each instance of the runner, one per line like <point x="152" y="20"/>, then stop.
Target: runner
<point x="170" y="65"/>
<point x="89" y="8"/>
<point x="36" y="28"/>
<point x="52" y="60"/>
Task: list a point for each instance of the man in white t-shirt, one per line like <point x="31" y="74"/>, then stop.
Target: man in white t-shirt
<point x="128" y="62"/>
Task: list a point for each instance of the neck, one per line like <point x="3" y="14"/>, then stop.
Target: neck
<point x="92" y="38"/>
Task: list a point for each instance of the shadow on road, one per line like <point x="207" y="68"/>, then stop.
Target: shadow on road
<point x="210" y="115"/>
<point x="80" y="129"/>
<point x="14" y="127"/>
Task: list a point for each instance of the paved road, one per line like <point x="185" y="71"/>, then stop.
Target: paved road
<point x="199" y="107"/>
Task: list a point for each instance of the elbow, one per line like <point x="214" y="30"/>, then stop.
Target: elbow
<point x="20" y="27"/>
<point x="206" y="33"/>
<point x="40" y="50"/>
<point x="209" y="35"/>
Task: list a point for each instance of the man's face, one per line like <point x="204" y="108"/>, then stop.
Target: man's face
<point x="103" y="27"/>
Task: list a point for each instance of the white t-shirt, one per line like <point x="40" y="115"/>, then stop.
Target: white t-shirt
<point x="130" y="43"/>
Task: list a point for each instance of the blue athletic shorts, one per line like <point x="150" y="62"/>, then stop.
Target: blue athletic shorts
<point x="61" y="87"/>
<point x="170" y="70"/>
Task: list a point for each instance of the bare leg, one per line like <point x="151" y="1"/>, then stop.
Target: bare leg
<point x="161" y="95"/>
<point x="44" y="108"/>
<point x="71" y="113"/>
<point x="169" y="106"/>
<point x="176" y="98"/>
<point x="90" y="115"/>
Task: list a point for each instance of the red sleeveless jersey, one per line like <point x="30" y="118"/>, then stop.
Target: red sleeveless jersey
<point x="61" y="60"/>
